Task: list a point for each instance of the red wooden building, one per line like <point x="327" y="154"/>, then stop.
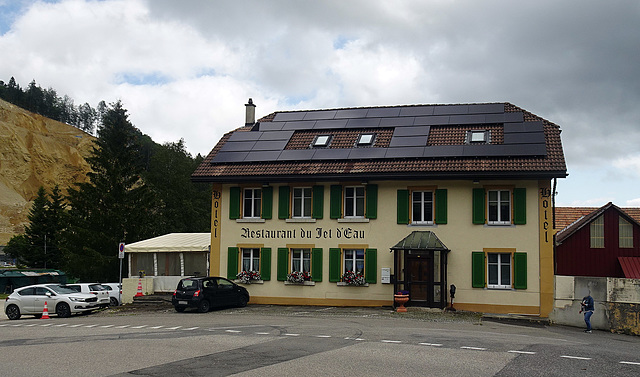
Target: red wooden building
<point x="601" y="242"/>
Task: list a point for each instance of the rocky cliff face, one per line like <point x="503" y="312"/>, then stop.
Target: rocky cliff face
<point x="35" y="151"/>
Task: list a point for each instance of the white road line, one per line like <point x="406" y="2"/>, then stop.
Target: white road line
<point x="329" y="308"/>
<point x="173" y="328"/>
<point x="60" y="325"/>
<point x="262" y="333"/>
<point x="629" y="363"/>
<point x="350" y="338"/>
<point x="233" y="331"/>
<point x="155" y="327"/>
<point x="576" y="357"/>
<point x="390" y="341"/>
<point x="81" y="324"/>
<point x="122" y="327"/>
<point x="47" y="324"/>
<point x="522" y="352"/>
<point x="191" y="328"/>
<point x="323" y="336"/>
<point x="290" y="334"/>
<point x="473" y="348"/>
<point x="138" y="327"/>
<point x="90" y="326"/>
<point x="431" y="344"/>
<point x="31" y="325"/>
<point x="106" y="326"/>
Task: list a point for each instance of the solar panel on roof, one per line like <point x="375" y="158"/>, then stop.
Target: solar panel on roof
<point x="443" y="151"/>
<point x="229" y="157"/>
<point x="329" y="124"/>
<point x="276" y="135"/>
<point x="411" y="131"/>
<point x="404" y="152"/>
<point x="524" y="127"/>
<point x="351" y="113"/>
<point x="290" y="116"/>
<point x="451" y="110"/>
<point x="245" y="136"/>
<point x="383" y="112"/>
<point x="324" y="114"/>
<point x="396" y="122"/>
<point x="363" y="123"/>
<point x="360" y="153"/>
<point x="408" y="141"/>
<point x="524" y="138"/>
<point x="262" y="156"/>
<point x="296" y="154"/>
<point x="467" y="119"/>
<point x="270" y="145"/>
<point x="486" y="108"/>
<point x="435" y="120"/>
<point x="331" y="154"/>
<point x="300" y="125"/>
<point x="271" y="126"/>
<point x="237" y="146"/>
<point x="416" y="111"/>
<point x="514" y="117"/>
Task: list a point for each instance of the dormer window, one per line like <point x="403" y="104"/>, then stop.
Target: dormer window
<point x="321" y="141"/>
<point x="365" y="139"/>
<point x="478" y="137"/>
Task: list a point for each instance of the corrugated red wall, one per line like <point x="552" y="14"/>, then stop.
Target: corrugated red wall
<point x="575" y="257"/>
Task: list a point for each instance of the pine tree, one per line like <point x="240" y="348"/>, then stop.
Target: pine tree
<point x="114" y="206"/>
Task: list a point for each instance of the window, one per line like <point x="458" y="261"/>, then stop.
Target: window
<point x="321" y="141"/>
<point x="499" y="207"/>
<point x="354" y="260"/>
<point x="422" y="207"/>
<point x="498" y="270"/>
<point x="252" y="203"/>
<point x="625" y="233"/>
<point x="477" y="136"/>
<point x="300" y="260"/>
<point x="597" y="232"/>
<point x="354" y="201"/>
<point x="365" y="139"/>
<point x="302" y="202"/>
<point x="251" y="259"/>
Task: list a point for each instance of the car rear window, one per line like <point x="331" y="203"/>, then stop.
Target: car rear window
<point x="96" y="287"/>
<point x="188" y="284"/>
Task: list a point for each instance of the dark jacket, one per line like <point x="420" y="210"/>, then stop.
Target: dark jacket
<point x="587" y="304"/>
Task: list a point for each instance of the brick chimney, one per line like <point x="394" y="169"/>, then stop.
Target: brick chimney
<point x="251" y="112"/>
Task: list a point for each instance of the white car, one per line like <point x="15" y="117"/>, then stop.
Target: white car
<point x="94" y="288"/>
<point x="59" y="300"/>
<point x="115" y="292"/>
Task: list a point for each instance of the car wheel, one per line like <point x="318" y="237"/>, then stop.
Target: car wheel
<point x="63" y="310"/>
<point x="180" y="309"/>
<point x="13" y="312"/>
<point x="242" y="301"/>
<point x="113" y="301"/>
<point x="204" y="306"/>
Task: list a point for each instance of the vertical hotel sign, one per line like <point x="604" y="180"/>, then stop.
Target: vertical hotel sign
<point x="216" y="213"/>
<point x="545" y="213"/>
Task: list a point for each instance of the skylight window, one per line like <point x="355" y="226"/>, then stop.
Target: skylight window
<point x="365" y="139"/>
<point x="321" y="141"/>
<point x="478" y="136"/>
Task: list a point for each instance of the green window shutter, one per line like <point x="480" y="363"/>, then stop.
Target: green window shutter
<point x="478" y="206"/>
<point x="441" y="206"/>
<point x="403" y="207"/>
<point x="335" y="197"/>
<point x="283" y="202"/>
<point x="232" y="263"/>
<point x="234" y="203"/>
<point x="371" y="198"/>
<point x="316" y="264"/>
<point x="477" y="269"/>
<point x="283" y="263"/>
<point x="520" y="270"/>
<point x="318" y="202"/>
<point x="371" y="265"/>
<point x="519" y="206"/>
<point x="265" y="263"/>
<point x="267" y="202"/>
<point x="334" y="264"/>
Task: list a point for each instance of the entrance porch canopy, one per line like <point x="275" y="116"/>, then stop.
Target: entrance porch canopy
<point x="420" y="267"/>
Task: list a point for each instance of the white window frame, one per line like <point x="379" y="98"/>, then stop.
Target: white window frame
<point x="321" y="141"/>
<point x="301" y="256"/>
<point x="305" y="202"/>
<point x="252" y="205"/>
<point x="498" y="202"/>
<point x="253" y="256"/>
<point x="421" y="219"/>
<point x="353" y="257"/>
<point x="351" y="211"/>
<point x="502" y="260"/>
<point x="366" y="139"/>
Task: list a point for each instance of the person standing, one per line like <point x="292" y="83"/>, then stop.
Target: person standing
<point x="587" y="306"/>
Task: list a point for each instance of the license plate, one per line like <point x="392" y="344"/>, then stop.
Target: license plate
<point x="182" y="303"/>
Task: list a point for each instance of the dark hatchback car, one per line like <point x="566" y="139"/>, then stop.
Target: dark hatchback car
<point x="207" y="292"/>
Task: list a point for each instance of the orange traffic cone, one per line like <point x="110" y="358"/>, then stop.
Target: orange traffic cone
<point x="45" y="312"/>
<point x="139" y="294"/>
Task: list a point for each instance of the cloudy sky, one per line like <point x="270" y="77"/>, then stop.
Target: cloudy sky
<point x="185" y="69"/>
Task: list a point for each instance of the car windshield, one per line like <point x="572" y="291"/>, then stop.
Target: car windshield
<point x="60" y="289"/>
<point x="188" y="284"/>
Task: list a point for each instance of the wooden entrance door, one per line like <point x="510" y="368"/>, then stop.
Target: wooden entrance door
<point x="420" y="280"/>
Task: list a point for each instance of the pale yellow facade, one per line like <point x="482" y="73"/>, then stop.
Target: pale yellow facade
<point x="459" y="234"/>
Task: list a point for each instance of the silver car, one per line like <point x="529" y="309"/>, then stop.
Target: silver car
<point x="58" y="299"/>
<point x="115" y="292"/>
<point x="94" y="288"/>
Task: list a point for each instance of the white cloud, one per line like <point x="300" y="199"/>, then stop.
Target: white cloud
<point x="629" y="165"/>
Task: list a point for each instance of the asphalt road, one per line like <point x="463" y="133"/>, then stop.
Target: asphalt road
<point x="308" y="341"/>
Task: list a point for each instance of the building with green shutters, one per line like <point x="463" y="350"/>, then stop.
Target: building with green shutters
<point x="349" y="206"/>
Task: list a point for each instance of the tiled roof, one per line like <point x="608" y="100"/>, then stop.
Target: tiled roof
<point x="411" y="141"/>
<point x="570" y="219"/>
